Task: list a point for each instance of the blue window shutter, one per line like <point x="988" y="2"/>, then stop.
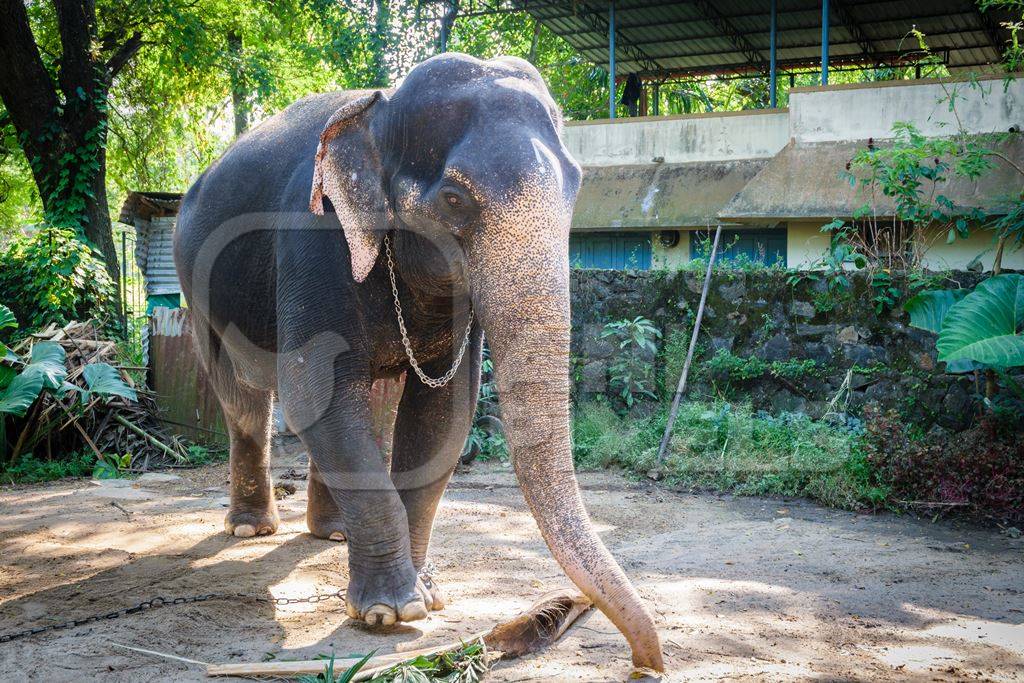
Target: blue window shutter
<point x="610" y="250"/>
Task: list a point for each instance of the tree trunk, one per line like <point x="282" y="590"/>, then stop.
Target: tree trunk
<point x="532" y="56"/>
<point x="239" y="90"/>
<point x="379" y="41"/>
<point x="62" y="125"/>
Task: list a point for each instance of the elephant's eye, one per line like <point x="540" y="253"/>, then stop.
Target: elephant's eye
<point x="453" y="200"/>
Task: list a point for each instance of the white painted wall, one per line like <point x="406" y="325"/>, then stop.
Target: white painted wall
<point x="869" y="110"/>
<point x="679" y="139"/>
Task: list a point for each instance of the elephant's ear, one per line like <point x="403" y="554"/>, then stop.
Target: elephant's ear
<point x="348" y="170"/>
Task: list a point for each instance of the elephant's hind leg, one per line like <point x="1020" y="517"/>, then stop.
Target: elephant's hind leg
<point x="323" y="517"/>
<point x="247" y="414"/>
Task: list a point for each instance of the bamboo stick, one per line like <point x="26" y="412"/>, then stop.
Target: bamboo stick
<point x="152" y="439"/>
<point x="681" y="387"/>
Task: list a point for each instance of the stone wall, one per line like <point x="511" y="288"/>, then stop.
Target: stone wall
<point x="858" y="354"/>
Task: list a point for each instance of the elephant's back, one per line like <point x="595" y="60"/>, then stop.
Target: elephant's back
<point x="224" y="242"/>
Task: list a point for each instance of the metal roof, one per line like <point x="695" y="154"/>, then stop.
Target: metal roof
<point x="703" y="37"/>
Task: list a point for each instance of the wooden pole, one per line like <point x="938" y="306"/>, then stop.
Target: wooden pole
<point x="681" y="387"/>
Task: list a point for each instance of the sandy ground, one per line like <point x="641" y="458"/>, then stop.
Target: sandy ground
<point x="743" y="588"/>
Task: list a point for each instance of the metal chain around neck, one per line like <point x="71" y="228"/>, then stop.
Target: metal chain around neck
<point x="429" y="381"/>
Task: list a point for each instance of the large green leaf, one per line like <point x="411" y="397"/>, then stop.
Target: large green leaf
<point x="104" y="380"/>
<point x="7" y="318"/>
<point x="47" y="361"/>
<point x="928" y="309"/>
<point x="985" y="326"/>
<point x="7" y="355"/>
<point x="20" y="394"/>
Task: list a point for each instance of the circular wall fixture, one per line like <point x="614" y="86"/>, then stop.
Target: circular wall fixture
<point x="668" y="238"/>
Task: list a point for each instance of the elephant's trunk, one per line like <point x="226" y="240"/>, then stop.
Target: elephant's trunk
<point x="524" y="310"/>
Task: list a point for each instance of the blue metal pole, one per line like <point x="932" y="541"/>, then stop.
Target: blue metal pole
<point x="773" y="75"/>
<point x="611" y="59"/>
<point x="824" y="42"/>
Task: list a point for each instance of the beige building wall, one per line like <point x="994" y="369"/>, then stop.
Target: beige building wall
<point x="805" y="243"/>
<point x="979" y="245"/>
<point x="670" y="258"/>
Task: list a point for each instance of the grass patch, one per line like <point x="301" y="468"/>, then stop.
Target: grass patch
<point x="730" y="447"/>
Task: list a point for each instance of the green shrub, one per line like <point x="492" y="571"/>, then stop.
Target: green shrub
<point x="50" y="276"/>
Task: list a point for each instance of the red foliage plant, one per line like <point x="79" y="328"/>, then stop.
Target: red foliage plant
<point x="980" y="470"/>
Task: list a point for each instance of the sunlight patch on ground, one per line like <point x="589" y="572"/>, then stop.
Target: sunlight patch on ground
<point x="971" y="630"/>
<point x="917" y="657"/>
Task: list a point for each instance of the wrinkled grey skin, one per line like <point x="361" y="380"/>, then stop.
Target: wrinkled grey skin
<point x="463" y="166"/>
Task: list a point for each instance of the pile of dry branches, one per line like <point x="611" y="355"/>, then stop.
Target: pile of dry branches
<point x="111" y="426"/>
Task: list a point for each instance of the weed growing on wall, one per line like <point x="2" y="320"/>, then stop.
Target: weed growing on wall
<point x="725" y="369"/>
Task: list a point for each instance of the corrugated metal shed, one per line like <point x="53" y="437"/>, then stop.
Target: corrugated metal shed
<point x="659" y="195"/>
<point x="154" y="214"/>
<point x="700" y="37"/>
<point x="804" y="181"/>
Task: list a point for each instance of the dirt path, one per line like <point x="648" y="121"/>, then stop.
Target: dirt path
<point x="744" y="589"/>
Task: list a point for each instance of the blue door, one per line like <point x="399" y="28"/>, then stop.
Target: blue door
<point x="610" y="250"/>
<point x="767" y="247"/>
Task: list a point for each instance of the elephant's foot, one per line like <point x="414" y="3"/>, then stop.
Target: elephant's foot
<point x="330" y="528"/>
<point x="384" y="598"/>
<point x="245" y="523"/>
<point x="432" y="594"/>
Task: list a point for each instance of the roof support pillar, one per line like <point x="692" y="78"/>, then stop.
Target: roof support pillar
<point x="824" y="42"/>
<point x="773" y="75"/>
<point x="611" y="59"/>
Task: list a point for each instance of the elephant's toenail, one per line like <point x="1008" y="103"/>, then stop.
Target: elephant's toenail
<point x="351" y="610"/>
<point x="337" y="536"/>
<point x="245" y="531"/>
<point x="413" y="611"/>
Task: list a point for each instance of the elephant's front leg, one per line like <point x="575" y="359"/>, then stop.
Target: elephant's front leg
<point x="430" y="433"/>
<point x="336" y="431"/>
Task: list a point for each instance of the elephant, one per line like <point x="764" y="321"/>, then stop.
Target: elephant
<point x="359" y="235"/>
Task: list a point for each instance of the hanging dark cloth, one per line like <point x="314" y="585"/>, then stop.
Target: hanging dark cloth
<point x="631" y="93"/>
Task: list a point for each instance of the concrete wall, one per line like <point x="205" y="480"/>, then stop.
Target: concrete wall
<point x="869" y="110"/>
<point x="805" y="243"/>
<point x="679" y="139"/>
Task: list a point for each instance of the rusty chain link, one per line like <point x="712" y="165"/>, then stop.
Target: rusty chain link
<point x="160" y="601"/>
